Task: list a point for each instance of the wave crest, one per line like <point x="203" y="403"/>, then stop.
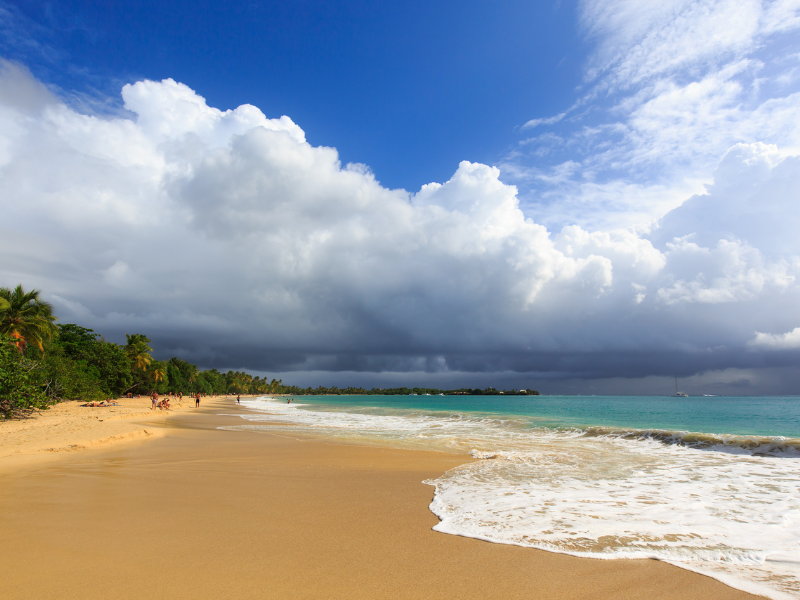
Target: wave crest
<point x="752" y="445"/>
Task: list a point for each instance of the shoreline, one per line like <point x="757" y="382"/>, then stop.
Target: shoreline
<point x="204" y="512"/>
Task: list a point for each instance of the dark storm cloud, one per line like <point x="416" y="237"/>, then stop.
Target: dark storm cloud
<point x="232" y="242"/>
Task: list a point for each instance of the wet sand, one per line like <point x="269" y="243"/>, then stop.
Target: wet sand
<point x="197" y="512"/>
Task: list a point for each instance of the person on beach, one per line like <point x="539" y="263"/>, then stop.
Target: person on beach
<point x="154" y="400"/>
<point x="197" y="400"/>
<point x="238" y="399"/>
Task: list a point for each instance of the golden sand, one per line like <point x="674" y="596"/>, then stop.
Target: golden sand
<point x="70" y="427"/>
<point x="197" y="512"/>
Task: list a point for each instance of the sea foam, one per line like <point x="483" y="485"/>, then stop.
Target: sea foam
<point x="726" y="506"/>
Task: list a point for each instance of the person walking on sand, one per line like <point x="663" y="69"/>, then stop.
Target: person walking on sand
<point x="154" y="400"/>
<point x="197" y="400"/>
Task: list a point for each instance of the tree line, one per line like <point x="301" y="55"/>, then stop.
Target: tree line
<point x="43" y="362"/>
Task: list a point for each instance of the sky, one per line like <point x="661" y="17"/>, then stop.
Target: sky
<point x="589" y="197"/>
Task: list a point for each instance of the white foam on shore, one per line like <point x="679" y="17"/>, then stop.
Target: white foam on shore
<point x="732" y="515"/>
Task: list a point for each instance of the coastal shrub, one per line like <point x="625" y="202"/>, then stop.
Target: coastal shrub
<point x="212" y="381"/>
<point x="79" y="364"/>
<point x="64" y="378"/>
<point x="114" y="368"/>
<point x="92" y="358"/>
<point x="19" y="392"/>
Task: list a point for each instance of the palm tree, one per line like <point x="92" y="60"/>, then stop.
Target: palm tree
<point x="158" y="372"/>
<point x="138" y="350"/>
<point x="26" y="318"/>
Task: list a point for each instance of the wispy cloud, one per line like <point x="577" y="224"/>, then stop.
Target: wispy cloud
<point x="669" y="89"/>
<point x="546" y="121"/>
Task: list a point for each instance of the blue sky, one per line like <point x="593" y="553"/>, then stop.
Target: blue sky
<point x="410" y="89"/>
<point x="580" y="197"/>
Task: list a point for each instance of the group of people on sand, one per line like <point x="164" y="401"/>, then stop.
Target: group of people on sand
<point x="104" y="403"/>
<point x="159" y="404"/>
<point x="164" y="404"/>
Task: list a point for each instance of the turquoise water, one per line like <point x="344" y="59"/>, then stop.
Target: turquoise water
<point x="739" y="415"/>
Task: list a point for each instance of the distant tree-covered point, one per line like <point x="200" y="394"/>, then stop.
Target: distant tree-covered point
<point x="404" y="391"/>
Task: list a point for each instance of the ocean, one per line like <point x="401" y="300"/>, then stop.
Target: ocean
<point x="710" y="484"/>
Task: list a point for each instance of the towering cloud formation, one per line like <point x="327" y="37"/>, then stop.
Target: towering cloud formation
<point x="234" y="242"/>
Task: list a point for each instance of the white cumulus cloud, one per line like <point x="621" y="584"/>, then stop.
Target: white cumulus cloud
<point x="232" y="241"/>
<point x="771" y="341"/>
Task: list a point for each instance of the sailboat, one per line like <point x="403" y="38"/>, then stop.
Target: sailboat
<point x="677" y="393"/>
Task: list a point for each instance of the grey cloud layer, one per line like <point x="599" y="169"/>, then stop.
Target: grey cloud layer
<point x="233" y="242"/>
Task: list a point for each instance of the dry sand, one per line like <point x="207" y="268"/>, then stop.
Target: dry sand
<point x="197" y="512"/>
<point x="69" y="427"/>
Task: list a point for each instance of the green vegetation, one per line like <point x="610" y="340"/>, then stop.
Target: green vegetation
<point x="42" y="363"/>
<point x="25" y="318"/>
<point x="19" y="392"/>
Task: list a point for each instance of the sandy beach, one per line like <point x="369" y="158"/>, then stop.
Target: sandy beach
<point x="125" y="502"/>
<point x="69" y="427"/>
